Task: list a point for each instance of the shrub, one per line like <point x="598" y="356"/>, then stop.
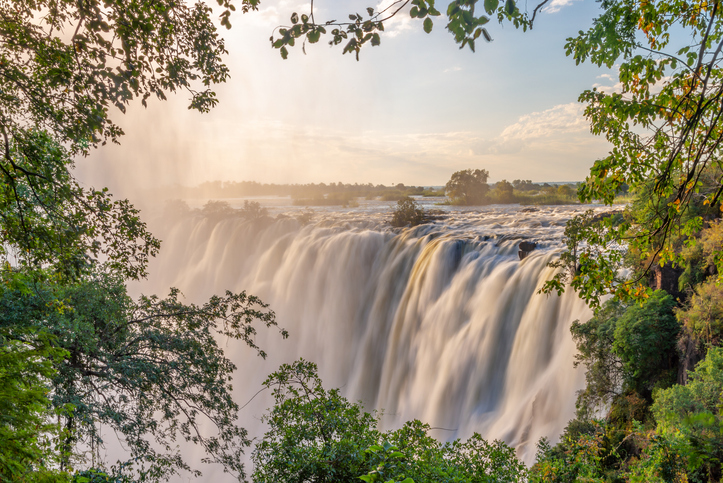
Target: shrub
<point x="407" y="212"/>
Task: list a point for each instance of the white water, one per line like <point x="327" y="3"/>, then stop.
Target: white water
<point x="441" y="322"/>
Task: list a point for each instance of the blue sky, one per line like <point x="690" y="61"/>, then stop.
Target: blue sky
<point x="413" y="110"/>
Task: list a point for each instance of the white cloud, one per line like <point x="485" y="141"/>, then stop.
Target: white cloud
<point x="558" y="120"/>
<point x="274" y="14"/>
<point x="557" y="5"/>
<point x="398" y="24"/>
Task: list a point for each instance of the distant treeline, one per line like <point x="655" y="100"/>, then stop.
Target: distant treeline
<point x="311" y="194"/>
<point x="319" y="194"/>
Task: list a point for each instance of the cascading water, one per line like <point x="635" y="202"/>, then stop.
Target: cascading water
<point x="441" y="322"/>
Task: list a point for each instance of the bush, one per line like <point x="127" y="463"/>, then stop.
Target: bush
<point x="253" y="210"/>
<point x="407" y="213"/>
<point x="318" y="436"/>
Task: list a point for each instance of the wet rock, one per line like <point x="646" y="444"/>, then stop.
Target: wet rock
<point x="525" y="248"/>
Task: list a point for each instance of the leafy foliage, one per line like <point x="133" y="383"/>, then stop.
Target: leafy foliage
<point x="468" y="187"/>
<point x="645" y="341"/>
<point x="151" y="370"/>
<point x="27" y="437"/>
<point x="407" y="213"/>
<point x="665" y="129"/>
<point x="317" y="435"/>
<point x="628" y="351"/>
<point x="314" y="434"/>
<point x="49" y="220"/>
<point x="464" y="23"/>
<point x="690" y="416"/>
<point x="603" y="367"/>
<point x="703" y="317"/>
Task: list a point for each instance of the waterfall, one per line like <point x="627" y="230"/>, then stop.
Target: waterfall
<point x="441" y="322"/>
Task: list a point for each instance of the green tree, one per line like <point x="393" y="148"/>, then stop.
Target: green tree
<point x="566" y="191"/>
<point x="645" y="341"/>
<point x="27" y="437"/>
<point x="603" y="367"/>
<point x="665" y="128"/>
<point x="317" y="435"/>
<point x="468" y="187"/>
<point x="689" y="416"/>
<point x="503" y="192"/>
<point x="151" y="369"/>
<point x="628" y="351"/>
<point x="314" y="435"/>
<point x="407" y="213"/>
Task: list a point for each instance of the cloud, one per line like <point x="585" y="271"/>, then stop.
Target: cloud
<point x="557" y="5"/>
<point x="274" y="14"/>
<point x="398" y="24"/>
<point x="559" y="120"/>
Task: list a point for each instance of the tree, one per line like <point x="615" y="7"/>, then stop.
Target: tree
<point x="407" y="213"/>
<point x="665" y="127"/>
<point x="66" y="67"/>
<point x="565" y="190"/>
<point x="645" y="341"/>
<point x="27" y="437"/>
<point x="57" y="92"/>
<point x="468" y="187"/>
<point x="690" y="415"/>
<point x="253" y="210"/>
<point x="316" y="435"/>
<point x="151" y="369"/>
<point x="503" y="192"/>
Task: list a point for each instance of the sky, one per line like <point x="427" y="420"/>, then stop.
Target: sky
<point x="413" y="110"/>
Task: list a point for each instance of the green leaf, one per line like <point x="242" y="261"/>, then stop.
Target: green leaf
<point x="313" y="36"/>
<point x="510" y="7"/>
<point x="284" y="53"/>
<point x="491" y="6"/>
<point x="428" y="24"/>
<point x="376" y="40"/>
<point x="294" y="18"/>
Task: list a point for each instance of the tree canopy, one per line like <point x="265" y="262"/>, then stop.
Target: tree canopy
<point x="74" y="348"/>
<point x="665" y="128"/>
<point x="468" y="187"/>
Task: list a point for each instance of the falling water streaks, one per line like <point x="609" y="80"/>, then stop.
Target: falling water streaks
<point x="441" y="323"/>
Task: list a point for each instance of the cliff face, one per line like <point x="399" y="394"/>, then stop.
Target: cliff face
<point x="666" y="278"/>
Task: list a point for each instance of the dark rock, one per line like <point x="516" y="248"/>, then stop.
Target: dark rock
<point x="666" y="278"/>
<point x="525" y="248"/>
<point x="690" y="353"/>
